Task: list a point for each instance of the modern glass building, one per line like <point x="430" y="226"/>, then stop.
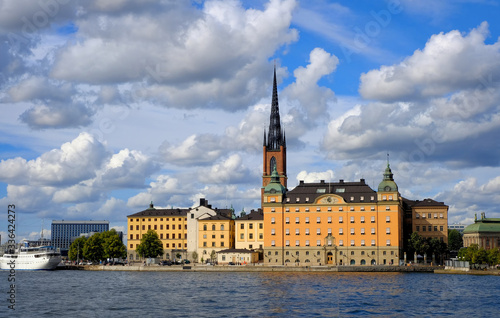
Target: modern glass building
<point x="64" y="231"/>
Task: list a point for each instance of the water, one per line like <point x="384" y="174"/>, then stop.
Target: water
<point x="191" y="294"/>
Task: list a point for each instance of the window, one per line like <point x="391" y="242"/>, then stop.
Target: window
<point x="287" y="231"/>
<point x="297" y="200"/>
<point x="161" y="236"/>
<point x="373" y="230"/>
<point x="273" y="199"/>
<point x="372" y="208"/>
<point x="363" y="231"/>
<point x="352" y="243"/>
<point x="341" y="243"/>
<point x="242" y="226"/>
<point x="222" y="227"/>
<point x="384" y="198"/>
<point x="307" y="199"/>
<point x="441" y="228"/>
<point x="242" y="236"/>
<point x="297" y="220"/>
<point x="373" y="242"/>
<point x="213" y="227"/>
<point x="318" y="220"/>
<point x="329" y="231"/>
<point x="435" y="228"/>
<point x="204" y="244"/>
<point x="387" y="219"/>
<point x="261" y="226"/>
<point x="329" y="209"/>
<point x="161" y="226"/>
<point x="372" y="219"/>
<point x="273" y="221"/>
<point x="423" y="215"/>
<point x="429" y="215"/>
<point x="387" y="208"/>
<point x="307" y="209"/>
<point x="430" y="228"/>
<point x="390" y="198"/>
<point x="388" y="230"/>
<point x="352" y="208"/>
<point x="362" y="198"/>
<point x="287" y="220"/>
<point x="131" y="236"/>
<point x="417" y="216"/>
<point x="250" y="236"/>
<point x="307" y="244"/>
<point x="352" y="198"/>
<point x="352" y="219"/>
<point x="173" y="236"/>
<point x="329" y="219"/>
<point x="287" y="243"/>
<point x="435" y="215"/>
<point x="307" y="220"/>
<point x="204" y="236"/>
<point x="131" y="227"/>
<point x="418" y="228"/>
<point x="423" y="228"/>
<point x="388" y="243"/>
<point x="297" y="243"/>
<point x="297" y="210"/>
<point x="261" y="236"/>
<point x="173" y="227"/>
<point x="362" y="219"/>
<point x="341" y="209"/>
<point x="341" y="231"/>
<point x="362" y="242"/>
<point x="318" y="243"/>
<point x="273" y="243"/>
<point x="213" y="244"/>
<point x="221" y="244"/>
<point x="318" y="209"/>
<point x="340" y="219"/>
<point x="440" y="215"/>
<point x="307" y="231"/>
<point x="362" y="208"/>
<point x="297" y="231"/>
<point x="352" y="231"/>
<point x="318" y="231"/>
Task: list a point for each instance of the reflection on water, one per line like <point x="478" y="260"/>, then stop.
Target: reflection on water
<point x="186" y="294"/>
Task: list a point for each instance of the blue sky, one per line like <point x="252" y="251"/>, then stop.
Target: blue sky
<point x="108" y="105"/>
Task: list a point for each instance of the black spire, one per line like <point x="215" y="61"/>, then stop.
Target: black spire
<point x="275" y="137"/>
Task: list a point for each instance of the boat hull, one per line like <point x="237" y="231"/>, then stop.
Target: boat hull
<point x="44" y="261"/>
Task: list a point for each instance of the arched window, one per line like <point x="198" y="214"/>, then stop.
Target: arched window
<point x="222" y="227"/>
<point x="273" y="164"/>
<point x="213" y="227"/>
<point x="353" y="262"/>
<point x="204" y="227"/>
<point x="363" y="262"/>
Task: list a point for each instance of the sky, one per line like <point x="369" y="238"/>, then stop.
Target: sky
<point x="108" y="105"/>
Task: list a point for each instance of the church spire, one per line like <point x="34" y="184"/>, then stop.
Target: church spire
<point x="275" y="136"/>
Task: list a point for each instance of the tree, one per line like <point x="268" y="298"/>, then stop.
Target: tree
<point x="493" y="256"/>
<point x="76" y="248"/>
<point x="93" y="248"/>
<point x="418" y="244"/>
<point x="150" y="245"/>
<point x="112" y="245"/>
<point x="455" y="240"/>
<point x="212" y="256"/>
<point x="195" y="257"/>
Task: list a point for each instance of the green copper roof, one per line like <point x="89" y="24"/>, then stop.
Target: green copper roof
<point x="483" y="225"/>
<point x="275" y="185"/>
<point x="388" y="184"/>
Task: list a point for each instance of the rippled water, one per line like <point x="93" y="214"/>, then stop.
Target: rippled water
<point x="190" y="294"/>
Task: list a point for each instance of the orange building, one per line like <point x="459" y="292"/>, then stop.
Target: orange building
<point x="215" y="233"/>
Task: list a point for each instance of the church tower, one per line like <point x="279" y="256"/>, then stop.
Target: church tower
<point x="274" y="147"/>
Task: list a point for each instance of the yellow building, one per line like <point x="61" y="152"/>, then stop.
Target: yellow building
<point x="215" y="233"/>
<point x="429" y="218"/>
<point x="170" y="224"/>
<point x="237" y="257"/>
<point x="250" y="231"/>
<point x="341" y="223"/>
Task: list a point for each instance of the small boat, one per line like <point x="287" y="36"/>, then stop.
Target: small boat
<point x="34" y="258"/>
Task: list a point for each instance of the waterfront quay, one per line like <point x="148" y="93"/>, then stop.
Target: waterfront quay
<point x="256" y="268"/>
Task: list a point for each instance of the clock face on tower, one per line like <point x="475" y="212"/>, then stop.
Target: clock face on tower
<point x="387" y="188"/>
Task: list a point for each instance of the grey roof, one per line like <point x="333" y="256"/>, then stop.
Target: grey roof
<point x="424" y="202"/>
<point x="233" y="250"/>
<point x="253" y="215"/>
<point x="160" y="212"/>
<point x="344" y="189"/>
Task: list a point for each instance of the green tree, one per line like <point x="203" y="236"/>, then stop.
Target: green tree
<point x="494" y="256"/>
<point x="466" y="254"/>
<point x="455" y="240"/>
<point x="93" y="248"/>
<point x="481" y="257"/>
<point x="150" y="245"/>
<point x="76" y="248"/>
<point x="213" y="256"/>
<point x="195" y="257"/>
<point x="112" y="245"/>
<point x="418" y="244"/>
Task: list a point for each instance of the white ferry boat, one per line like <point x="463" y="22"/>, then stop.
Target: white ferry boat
<point x="34" y="258"/>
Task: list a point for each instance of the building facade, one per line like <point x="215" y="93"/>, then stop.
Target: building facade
<point x="429" y="218"/>
<point x="485" y="232"/>
<point x="215" y="233"/>
<point x="169" y="224"/>
<point x="249" y="230"/>
<point x="62" y="232"/>
<point x="237" y="257"/>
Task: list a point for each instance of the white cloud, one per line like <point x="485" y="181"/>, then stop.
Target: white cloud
<point x="309" y="177"/>
<point x="229" y="171"/>
<point x="449" y="62"/>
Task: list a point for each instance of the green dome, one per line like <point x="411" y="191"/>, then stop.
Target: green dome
<point x="275" y="186"/>
<point x="483" y="225"/>
<point x="388" y="184"/>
